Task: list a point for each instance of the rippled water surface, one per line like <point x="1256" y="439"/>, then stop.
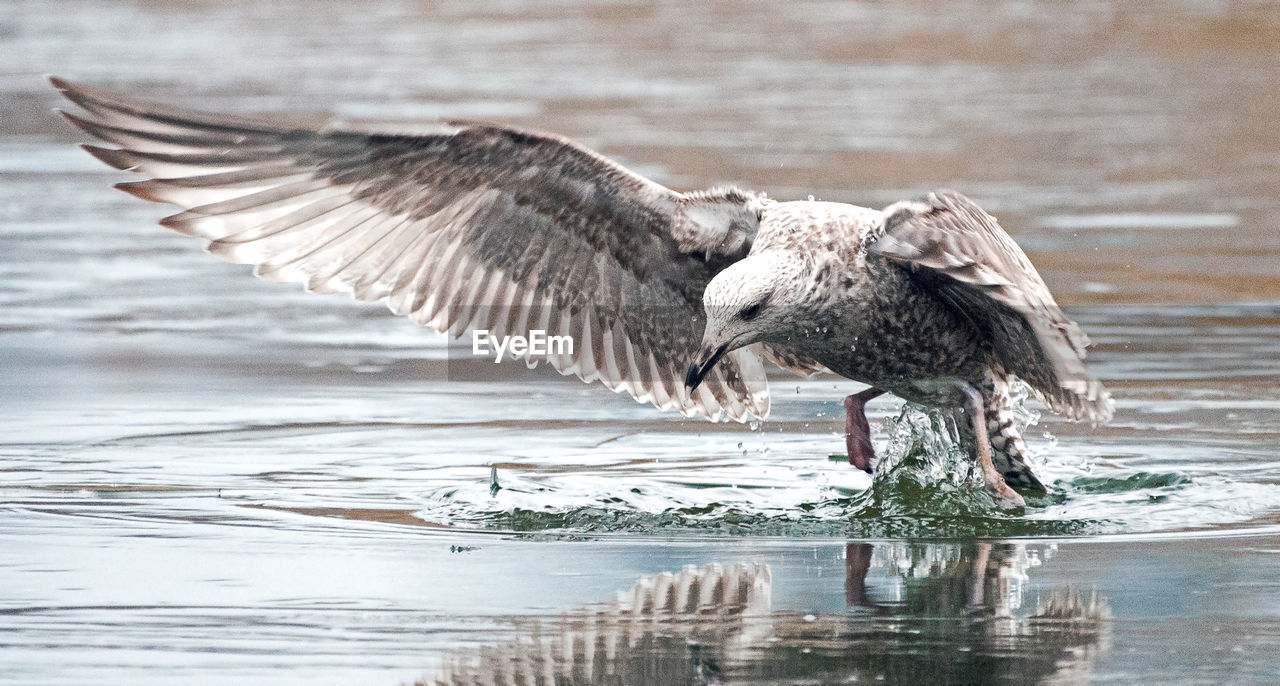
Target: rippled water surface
<point x="209" y="479"/>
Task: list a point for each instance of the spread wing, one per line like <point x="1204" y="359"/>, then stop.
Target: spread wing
<point x="956" y="248"/>
<point x="466" y="226"/>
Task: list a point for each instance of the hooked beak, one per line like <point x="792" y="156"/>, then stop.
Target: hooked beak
<point x="708" y="355"/>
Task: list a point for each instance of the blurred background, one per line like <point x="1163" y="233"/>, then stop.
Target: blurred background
<point x="1131" y="146"/>
<point x="212" y="477"/>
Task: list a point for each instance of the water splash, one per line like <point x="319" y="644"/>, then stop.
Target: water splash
<point x="925" y="484"/>
<point x="924" y="446"/>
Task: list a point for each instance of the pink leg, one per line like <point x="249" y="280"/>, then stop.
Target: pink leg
<point x="978" y="588"/>
<point x="1005" y="496"/>
<point x="857" y="433"/>
<point x="857" y="562"/>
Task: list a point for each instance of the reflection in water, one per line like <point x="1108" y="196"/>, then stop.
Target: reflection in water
<point x="962" y="609"/>
<point x="916" y="613"/>
<point x="150" y="394"/>
<point x="667" y="629"/>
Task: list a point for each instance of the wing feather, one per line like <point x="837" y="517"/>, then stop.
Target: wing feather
<point x="959" y="250"/>
<point x="463" y="226"/>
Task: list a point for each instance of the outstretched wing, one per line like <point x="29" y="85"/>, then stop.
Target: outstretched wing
<point x="465" y="226"/>
<point x="959" y="250"/>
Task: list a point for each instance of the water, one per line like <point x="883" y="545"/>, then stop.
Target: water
<point x="209" y="479"/>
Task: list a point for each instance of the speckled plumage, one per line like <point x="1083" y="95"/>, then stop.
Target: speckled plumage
<point x="470" y="225"/>
<point x="860" y="315"/>
<point x="926" y="300"/>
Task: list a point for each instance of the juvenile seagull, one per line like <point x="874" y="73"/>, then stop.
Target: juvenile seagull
<point x="470" y="225"/>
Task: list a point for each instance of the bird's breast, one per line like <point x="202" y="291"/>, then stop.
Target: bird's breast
<point x="886" y="331"/>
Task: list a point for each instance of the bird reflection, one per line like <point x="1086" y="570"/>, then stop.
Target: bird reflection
<point x="959" y="613"/>
<point x="915" y="613"/>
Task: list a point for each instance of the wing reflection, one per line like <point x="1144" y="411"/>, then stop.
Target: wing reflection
<point x="916" y="613"/>
<point x="667" y="629"/>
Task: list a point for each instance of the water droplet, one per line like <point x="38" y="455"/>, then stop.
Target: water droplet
<point x="755" y="425"/>
<point x="739" y="445"/>
<point x="810" y="198"/>
<point x="797" y="390"/>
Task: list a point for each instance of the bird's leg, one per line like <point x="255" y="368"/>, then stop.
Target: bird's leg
<point x="857" y="433"/>
<point x="857" y="562"/>
<point x="974" y="407"/>
<point x="979" y="585"/>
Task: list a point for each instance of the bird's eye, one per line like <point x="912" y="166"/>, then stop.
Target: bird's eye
<point x="750" y="311"/>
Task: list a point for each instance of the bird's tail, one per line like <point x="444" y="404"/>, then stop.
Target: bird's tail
<point x="1008" y="450"/>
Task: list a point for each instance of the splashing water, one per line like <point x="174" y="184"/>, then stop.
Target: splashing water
<point x="925" y="442"/>
<point x="924" y="445"/>
<point x="1024" y="415"/>
<point x="925" y="483"/>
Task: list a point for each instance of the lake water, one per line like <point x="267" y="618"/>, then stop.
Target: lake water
<point x="208" y="479"/>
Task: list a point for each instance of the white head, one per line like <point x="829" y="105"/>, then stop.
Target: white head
<point x="752" y="300"/>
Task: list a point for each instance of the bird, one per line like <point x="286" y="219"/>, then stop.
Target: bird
<point x="677" y="299"/>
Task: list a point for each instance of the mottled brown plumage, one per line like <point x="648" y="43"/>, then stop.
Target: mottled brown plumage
<point x="957" y="250"/>
<point x="929" y="300"/>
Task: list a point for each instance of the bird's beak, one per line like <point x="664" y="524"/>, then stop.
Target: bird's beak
<point x="708" y="355"/>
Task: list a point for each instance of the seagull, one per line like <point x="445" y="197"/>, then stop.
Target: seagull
<point x="675" y="298"/>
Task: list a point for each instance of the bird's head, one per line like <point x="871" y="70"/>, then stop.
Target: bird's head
<point x="750" y="301"/>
